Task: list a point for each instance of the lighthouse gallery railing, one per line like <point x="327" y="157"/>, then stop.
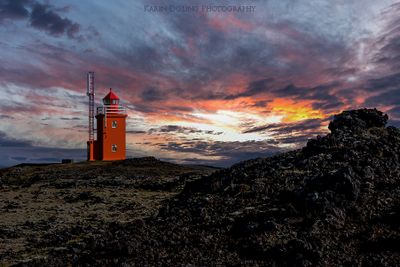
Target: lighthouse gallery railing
<point x="110" y="109"/>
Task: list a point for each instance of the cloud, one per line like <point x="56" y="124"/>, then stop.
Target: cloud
<point x="43" y="17"/>
<point x="391" y="97"/>
<point x="19" y="158"/>
<point x="395" y="112"/>
<point x="40" y="16"/>
<point x="254" y="88"/>
<point x="69" y="119"/>
<point x="7" y="141"/>
<point x="13" y="9"/>
<point x="152" y="94"/>
<point x="388" y="43"/>
<point x="386" y="91"/>
<point x="384" y="83"/>
<point x="175" y="129"/>
<point x="13" y="151"/>
<point x="180" y="129"/>
<point x="294" y="134"/>
<point x="4" y="116"/>
<point x="287" y="128"/>
<point x="226" y="152"/>
<point x="135" y="132"/>
<point x="304" y="56"/>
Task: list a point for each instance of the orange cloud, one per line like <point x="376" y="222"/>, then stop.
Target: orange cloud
<point x="295" y="111"/>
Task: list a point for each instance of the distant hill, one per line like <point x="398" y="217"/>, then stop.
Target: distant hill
<point x="334" y="202"/>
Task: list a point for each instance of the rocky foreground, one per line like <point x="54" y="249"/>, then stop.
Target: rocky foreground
<point x="44" y="206"/>
<point x="333" y="203"/>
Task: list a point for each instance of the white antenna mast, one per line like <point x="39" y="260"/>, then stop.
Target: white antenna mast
<point x="90" y="93"/>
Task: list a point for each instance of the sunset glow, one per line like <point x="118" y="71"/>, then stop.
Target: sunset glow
<point x="200" y="87"/>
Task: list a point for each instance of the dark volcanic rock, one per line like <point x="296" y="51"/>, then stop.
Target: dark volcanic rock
<point x="360" y="119"/>
<point x="333" y="203"/>
<point x="303" y="208"/>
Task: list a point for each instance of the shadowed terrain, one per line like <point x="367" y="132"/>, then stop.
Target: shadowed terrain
<point x="334" y="202"/>
<point x="42" y="203"/>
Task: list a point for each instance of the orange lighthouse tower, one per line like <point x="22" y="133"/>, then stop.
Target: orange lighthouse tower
<point x="111" y="130"/>
<point x="111" y="125"/>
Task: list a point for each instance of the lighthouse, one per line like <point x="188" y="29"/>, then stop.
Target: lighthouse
<point x="111" y="129"/>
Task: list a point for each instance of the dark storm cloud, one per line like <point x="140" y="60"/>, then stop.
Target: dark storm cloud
<point x="391" y="97"/>
<point x="152" y="94"/>
<point x="175" y="129"/>
<point x="145" y="108"/>
<point x="388" y="89"/>
<point x="13" y="9"/>
<point x="319" y="92"/>
<point x="186" y="25"/>
<point x="230" y="152"/>
<point x="322" y="96"/>
<point x="287" y="128"/>
<point x="135" y="132"/>
<point x="178" y="108"/>
<point x="67" y="69"/>
<point x="262" y="103"/>
<point x="3" y="116"/>
<point x="143" y="56"/>
<point x="224" y="54"/>
<point x="254" y="88"/>
<point x="180" y="129"/>
<point x="7" y="141"/>
<point x="328" y="105"/>
<point x="296" y="133"/>
<point x="389" y="41"/>
<point x="41" y="16"/>
<point x="384" y="83"/>
<point x="198" y="46"/>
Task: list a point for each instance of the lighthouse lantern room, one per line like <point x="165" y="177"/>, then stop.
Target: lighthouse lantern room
<point x="111" y="128"/>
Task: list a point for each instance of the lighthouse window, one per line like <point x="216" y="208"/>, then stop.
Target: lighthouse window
<point x="114" y="148"/>
<point x="114" y="124"/>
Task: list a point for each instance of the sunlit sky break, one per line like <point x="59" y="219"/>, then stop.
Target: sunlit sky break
<point x="206" y="86"/>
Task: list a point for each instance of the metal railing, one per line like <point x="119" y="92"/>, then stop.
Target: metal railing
<point x="111" y="109"/>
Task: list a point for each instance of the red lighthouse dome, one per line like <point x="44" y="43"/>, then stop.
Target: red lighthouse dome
<point x="111" y="98"/>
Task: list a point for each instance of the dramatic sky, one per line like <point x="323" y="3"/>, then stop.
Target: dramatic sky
<point x="203" y="82"/>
